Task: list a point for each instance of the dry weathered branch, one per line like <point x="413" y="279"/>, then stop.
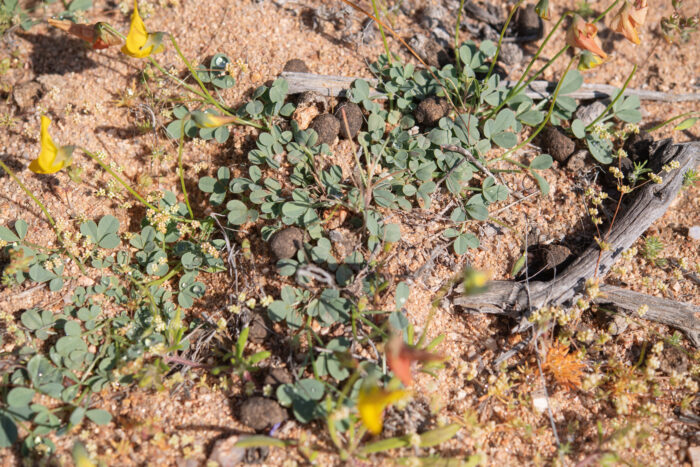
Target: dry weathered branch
<point x="683" y="316"/>
<point x="328" y="85"/>
<point x="649" y="204"/>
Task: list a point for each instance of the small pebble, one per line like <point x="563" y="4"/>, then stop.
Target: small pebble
<point x="694" y="455"/>
<point x="327" y="128"/>
<point x="225" y="453"/>
<point x="577" y="161"/>
<point x="431" y="110"/>
<point x="26" y="94"/>
<point x="287" y="242"/>
<point x="277" y="376"/>
<point x="588" y="113"/>
<point x="258" y="329"/>
<point x="694" y="232"/>
<point x="296" y="65"/>
<point x="260" y="413"/>
<point x="528" y="23"/>
<point x="557" y="144"/>
<point x="353" y="115"/>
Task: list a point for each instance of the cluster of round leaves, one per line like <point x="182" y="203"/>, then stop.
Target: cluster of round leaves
<point x="27" y="261"/>
<point x="82" y="323"/>
<point x="72" y="332"/>
<point x="266" y="104"/>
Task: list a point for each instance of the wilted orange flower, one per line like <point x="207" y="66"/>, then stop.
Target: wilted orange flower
<point x="98" y="35"/>
<point x="400" y="356"/>
<point x="371" y="404"/>
<point x="583" y="35"/>
<point x="629" y="18"/>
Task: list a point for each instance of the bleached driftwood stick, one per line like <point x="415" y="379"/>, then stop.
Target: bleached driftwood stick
<point x="329" y="85"/>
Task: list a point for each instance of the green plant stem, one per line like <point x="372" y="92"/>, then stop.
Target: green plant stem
<point x="501" y="223"/>
<point x="381" y="31"/>
<point x="119" y="179"/>
<point x="514" y="162"/>
<point x="151" y="302"/>
<point x="193" y="72"/>
<point x="165" y="278"/>
<point x="176" y="79"/>
<point x="204" y="95"/>
<point x="672" y="119"/>
<point x="500" y="40"/>
<point x="459" y="23"/>
<point x="330" y="423"/>
<point x="103" y="351"/>
<point x="159" y="67"/>
<point x="515" y="90"/>
<point x="41" y="205"/>
<point x="607" y="10"/>
<point x="617" y="97"/>
<point x="546" y="119"/>
<point x="29" y="193"/>
<point x="207" y="95"/>
<point x="180" y="170"/>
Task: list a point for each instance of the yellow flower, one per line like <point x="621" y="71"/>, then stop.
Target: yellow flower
<point x="371" y="404"/>
<point x="207" y="120"/>
<point x="629" y="18"/>
<point x="81" y="458"/>
<point x="588" y="61"/>
<point x="475" y="281"/>
<point x="584" y="36"/>
<point x="51" y="159"/>
<point x="140" y="43"/>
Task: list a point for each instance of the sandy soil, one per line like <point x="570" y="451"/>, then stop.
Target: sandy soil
<point x="92" y="98"/>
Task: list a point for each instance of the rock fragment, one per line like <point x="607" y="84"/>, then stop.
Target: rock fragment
<point x="327" y="128"/>
<point x="25" y="95"/>
<point x="287" y="242"/>
<point x="296" y="65"/>
<point x="431" y="110"/>
<point x="577" y="161"/>
<point x="588" y="113"/>
<point x="277" y="376"/>
<point x="557" y="144"/>
<point x="260" y="413"/>
<point x="258" y="331"/>
<point x="694" y="232"/>
<point x="353" y="115"/>
<point x="226" y="454"/>
<point x="528" y="23"/>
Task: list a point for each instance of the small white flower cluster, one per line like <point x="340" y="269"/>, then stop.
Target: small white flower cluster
<point x="586" y="335"/>
<point x="200" y="166"/>
<point x="52" y="264"/>
<point x="210" y="249"/>
<point x="655" y="178"/>
<point x="592" y="381"/>
<point x="642" y="310"/>
<point x="673" y="165"/>
<point x="158" y="324"/>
